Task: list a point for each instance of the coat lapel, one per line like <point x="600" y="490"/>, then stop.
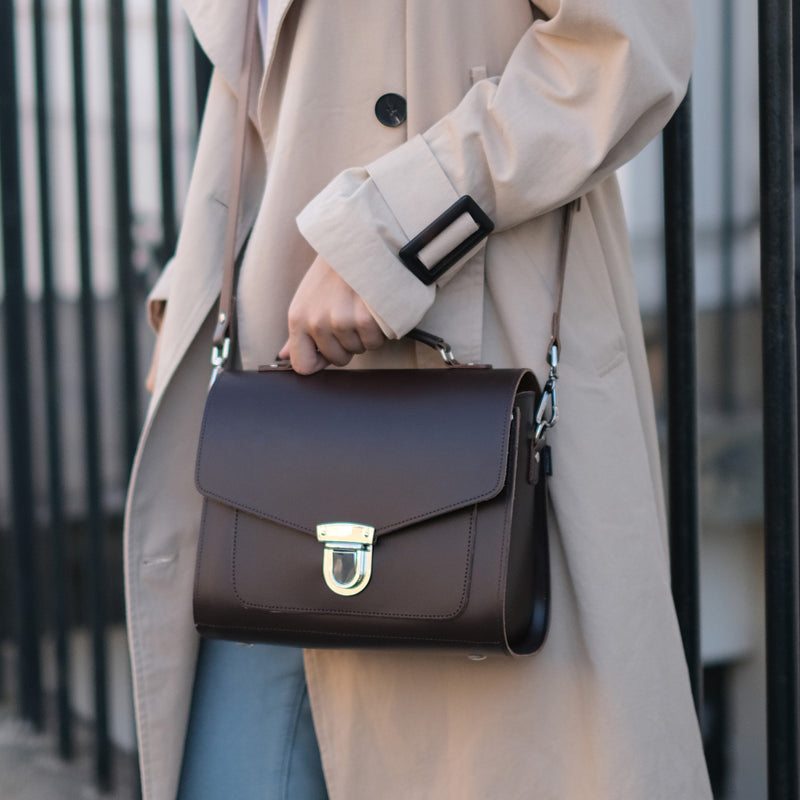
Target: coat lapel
<point x="219" y="27"/>
<point x="276" y="13"/>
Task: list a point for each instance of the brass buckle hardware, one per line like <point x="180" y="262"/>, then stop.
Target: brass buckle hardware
<point x="347" y="558"/>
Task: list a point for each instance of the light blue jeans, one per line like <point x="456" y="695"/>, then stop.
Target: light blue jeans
<point x="251" y="735"/>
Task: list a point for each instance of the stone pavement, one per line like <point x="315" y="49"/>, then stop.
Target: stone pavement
<point x="30" y="768"/>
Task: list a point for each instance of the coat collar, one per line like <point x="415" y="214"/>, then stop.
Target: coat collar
<point x="219" y="27"/>
<point x="276" y="12"/>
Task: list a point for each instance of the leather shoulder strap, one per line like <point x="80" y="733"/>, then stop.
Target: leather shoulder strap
<point x="226" y="300"/>
<point x="566" y="230"/>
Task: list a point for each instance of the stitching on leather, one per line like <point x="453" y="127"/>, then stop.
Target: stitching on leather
<point x="202" y="439"/>
<point x="200" y="545"/>
<point x="503" y="571"/>
<point x="233" y="558"/>
<point x="396" y="524"/>
<point x="473" y="518"/>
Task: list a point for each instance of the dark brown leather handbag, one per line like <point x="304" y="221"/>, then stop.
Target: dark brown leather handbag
<point x="374" y="508"/>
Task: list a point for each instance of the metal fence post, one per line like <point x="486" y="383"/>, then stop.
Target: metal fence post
<point x="57" y="562"/>
<point x="95" y="521"/>
<point x="123" y="216"/>
<point x="682" y="387"/>
<point x="169" y="232"/>
<point x="17" y="383"/>
<point x="727" y="340"/>
<point x="780" y="397"/>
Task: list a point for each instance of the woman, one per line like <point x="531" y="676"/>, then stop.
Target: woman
<point x="372" y="118"/>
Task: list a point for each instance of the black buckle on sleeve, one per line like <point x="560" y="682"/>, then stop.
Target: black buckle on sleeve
<point x="409" y="253"/>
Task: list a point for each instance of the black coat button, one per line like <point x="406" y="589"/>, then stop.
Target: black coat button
<point x="391" y="110"/>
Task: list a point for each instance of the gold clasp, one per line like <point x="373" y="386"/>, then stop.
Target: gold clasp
<point x="347" y="558"/>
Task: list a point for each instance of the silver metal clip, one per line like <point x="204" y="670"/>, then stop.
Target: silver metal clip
<point x="547" y="412"/>
<point x="219" y="358"/>
<point x="447" y="354"/>
<point x="347" y="559"/>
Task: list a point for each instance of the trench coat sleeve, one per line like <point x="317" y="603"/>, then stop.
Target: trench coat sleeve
<point x="586" y="87"/>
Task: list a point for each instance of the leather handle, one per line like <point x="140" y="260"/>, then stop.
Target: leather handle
<point x="430" y="339"/>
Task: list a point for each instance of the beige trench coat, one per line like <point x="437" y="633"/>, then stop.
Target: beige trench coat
<point x="523" y="108"/>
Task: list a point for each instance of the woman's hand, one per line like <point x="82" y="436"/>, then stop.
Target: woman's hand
<point x="328" y="322"/>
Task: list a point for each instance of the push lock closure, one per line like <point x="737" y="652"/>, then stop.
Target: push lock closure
<point x="347" y="558"/>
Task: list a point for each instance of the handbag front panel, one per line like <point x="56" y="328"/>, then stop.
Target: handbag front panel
<point x="439" y="581"/>
<point x="422" y="571"/>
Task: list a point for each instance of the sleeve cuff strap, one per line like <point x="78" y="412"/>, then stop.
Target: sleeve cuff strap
<point x="458" y="226"/>
<point x="447" y="240"/>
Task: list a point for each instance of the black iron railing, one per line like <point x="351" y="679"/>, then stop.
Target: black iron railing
<point x="682" y="387"/>
<point x="17" y="370"/>
<point x="60" y="596"/>
<point x="780" y="395"/>
<point x="60" y="564"/>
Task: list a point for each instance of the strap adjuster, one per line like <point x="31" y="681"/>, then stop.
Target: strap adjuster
<point x="409" y="254"/>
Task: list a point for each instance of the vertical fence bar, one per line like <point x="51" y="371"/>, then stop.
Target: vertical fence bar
<point x="95" y="522"/>
<point x="122" y="208"/>
<point x="682" y="387"/>
<point x="168" y="220"/>
<point x="727" y="349"/>
<point x="58" y="545"/>
<point x="17" y="384"/>
<point x="780" y="397"/>
<point x="796" y="149"/>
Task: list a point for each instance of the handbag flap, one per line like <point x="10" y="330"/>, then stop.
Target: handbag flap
<point x="383" y="448"/>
